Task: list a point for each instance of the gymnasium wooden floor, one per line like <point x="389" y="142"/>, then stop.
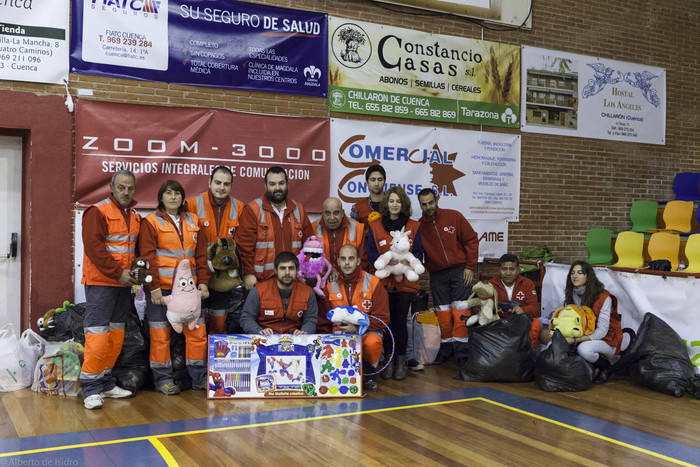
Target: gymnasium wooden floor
<point x="427" y="419"/>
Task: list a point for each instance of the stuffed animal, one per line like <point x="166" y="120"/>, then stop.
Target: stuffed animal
<point x="223" y="262"/>
<point x="314" y="265"/>
<point x="140" y="270"/>
<point x="139" y="301"/>
<point x="47" y="321"/>
<point x="573" y="321"/>
<point x="349" y="315"/>
<point x="407" y="266"/>
<point x="374" y="215"/>
<point x="185" y="302"/>
<point x="483" y="296"/>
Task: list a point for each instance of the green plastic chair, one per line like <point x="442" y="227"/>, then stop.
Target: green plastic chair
<point x="598" y="244"/>
<point x="643" y="215"/>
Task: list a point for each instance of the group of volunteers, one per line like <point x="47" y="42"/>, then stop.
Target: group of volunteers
<point x="269" y="233"/>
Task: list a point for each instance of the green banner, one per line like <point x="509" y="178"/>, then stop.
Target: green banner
<point x="390" y="104"/>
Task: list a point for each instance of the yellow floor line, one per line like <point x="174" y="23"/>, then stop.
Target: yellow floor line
<point x="168" y="457"/>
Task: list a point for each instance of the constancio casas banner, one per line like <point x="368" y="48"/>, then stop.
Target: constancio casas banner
<point x="185" y="144"/>
<point x="383" y="70"/>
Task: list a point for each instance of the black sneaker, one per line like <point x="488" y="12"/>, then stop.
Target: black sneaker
<point x="369" y="383"/>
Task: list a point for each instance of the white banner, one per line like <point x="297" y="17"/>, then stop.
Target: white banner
<point x="673" y="299"/>
<point x="493" y="237"/>
<point x="34" y="40"/>
<point x="476" y="173"/>
<point x="591" y="97"/>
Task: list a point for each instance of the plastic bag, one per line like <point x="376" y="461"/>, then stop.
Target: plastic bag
<point x="560" y="368"/>
<point x="499" y="351"/>
<point x="132" y="367"/>
<point x="57" y="372"/>
<point x="423" y="336"/>
<point x="658" y="359"/>
<point x="18" y="357"/>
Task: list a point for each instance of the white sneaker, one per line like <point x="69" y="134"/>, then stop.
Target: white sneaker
<point x="93" y="402"/>
<point x="117" y="393"/>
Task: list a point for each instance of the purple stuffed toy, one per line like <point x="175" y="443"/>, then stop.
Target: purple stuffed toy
<point x="313" y="263"/>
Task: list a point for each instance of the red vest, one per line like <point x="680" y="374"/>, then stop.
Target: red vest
<point x="614" y="336"/>
<point x="353" y="233"/>
<point x="382" y="240"/>
<point x="272" y="313"/>
<point x="361" y="296"/>
<point x="363" y="210"/>
<point x="120" y="242"/>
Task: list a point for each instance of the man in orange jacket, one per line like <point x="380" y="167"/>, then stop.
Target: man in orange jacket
<point x="218" y="214"/>
<point x="355" y="287"/>
<point x="110" y="232"/>
<point x="270" y="225"/>
<point x="335" y="229"/>
<point x="281" y="304"/>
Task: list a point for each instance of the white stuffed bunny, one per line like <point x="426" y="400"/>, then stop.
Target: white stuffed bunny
<point x="407" y="265"/>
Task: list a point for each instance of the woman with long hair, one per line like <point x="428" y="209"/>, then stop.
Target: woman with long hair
<point x="168" y="236"/>
<point x="395" y="209"/>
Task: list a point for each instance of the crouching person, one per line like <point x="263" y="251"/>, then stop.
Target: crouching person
<point x="355" y="287"/>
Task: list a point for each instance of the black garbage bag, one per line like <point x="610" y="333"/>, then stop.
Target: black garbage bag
<point x="658" y="359"/>
<point x="235" y="306"/>
<point x="67" y="324"/>
<point x="132" y="367"/>
<point x="499" y="351"/>
<point x="559" y="368"/>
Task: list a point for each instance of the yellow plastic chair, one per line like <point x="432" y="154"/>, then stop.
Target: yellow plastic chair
<point x="692" y="252"/>
<point x="665" y="245"/>
<point x="629" y="248"/>
<point x="678" y="216"/>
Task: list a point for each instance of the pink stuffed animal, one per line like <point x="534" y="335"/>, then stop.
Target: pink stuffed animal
<point x="408" y="265"/>
<point x="313" y="263"/>
<point x="185" y="303"/>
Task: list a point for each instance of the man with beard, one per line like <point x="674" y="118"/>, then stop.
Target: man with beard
<point x="451" y="253"/>
<point x="269" y="226"/>
<point x="355" y="287"/>
<point x="335" y="229"/>
<point x="375" y="175"/>
<point x="218" y="213"/>
<point x="282" y="304"/>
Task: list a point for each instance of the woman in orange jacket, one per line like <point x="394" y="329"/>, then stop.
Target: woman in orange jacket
<point x="168" y="236"/>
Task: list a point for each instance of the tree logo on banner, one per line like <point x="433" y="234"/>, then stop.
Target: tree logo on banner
<point x="351" y="45"/>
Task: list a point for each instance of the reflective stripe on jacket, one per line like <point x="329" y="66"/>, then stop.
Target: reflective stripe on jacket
<point x="120" y="242"/>
<point x="263" y="265"/>
<point x="361" y="295"/>
<point x="171" y="249"/>
<point x="272" y="314"/>
<point x="202" y="207"/>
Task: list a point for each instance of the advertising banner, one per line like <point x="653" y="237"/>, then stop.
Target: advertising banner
<point x="34" y="41"/>
<point x="220" y="43"/>
<point x="670" y="298"/>
<point x="476" y="173"/>
<point x="161" y="143"/>
<point x="493" y="237"/>
<point x="284" y="365"/>
<point x="591" y="97"/>
<point x="396" y="72"/>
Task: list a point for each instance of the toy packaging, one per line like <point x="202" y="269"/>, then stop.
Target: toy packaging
<point x="284" y="366"/>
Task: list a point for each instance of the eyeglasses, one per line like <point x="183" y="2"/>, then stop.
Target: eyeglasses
<point x="577" y="273"/>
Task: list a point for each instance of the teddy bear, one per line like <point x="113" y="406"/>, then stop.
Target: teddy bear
<point x="350" y="315"/>
<point x="407" y="265"/>
<point x="185" y="302"/>
<point x="313" y="265"/>
<point x="222" y="259"/>
<point x="47" y="321"/>
<point x="140" y="270"/>
<point x="483" y="296"/>
<point x="573" y="321"/>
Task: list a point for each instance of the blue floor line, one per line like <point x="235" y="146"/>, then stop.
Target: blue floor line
<point x="324" y="408"/>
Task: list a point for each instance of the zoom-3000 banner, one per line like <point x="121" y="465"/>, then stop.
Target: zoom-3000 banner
<point x="384" y="70"/>
<point x="219" y="43"/>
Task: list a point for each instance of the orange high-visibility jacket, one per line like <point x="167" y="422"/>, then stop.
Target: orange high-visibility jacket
<point x="202" y="207"/>
<point x="171" y="250"/>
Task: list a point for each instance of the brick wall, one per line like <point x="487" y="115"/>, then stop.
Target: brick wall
<point x="567" y="184"/>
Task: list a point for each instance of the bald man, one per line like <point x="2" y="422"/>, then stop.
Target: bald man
<point x="336" y="229"/>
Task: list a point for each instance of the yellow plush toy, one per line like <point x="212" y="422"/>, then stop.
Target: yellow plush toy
<point x="573" y="321"/>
